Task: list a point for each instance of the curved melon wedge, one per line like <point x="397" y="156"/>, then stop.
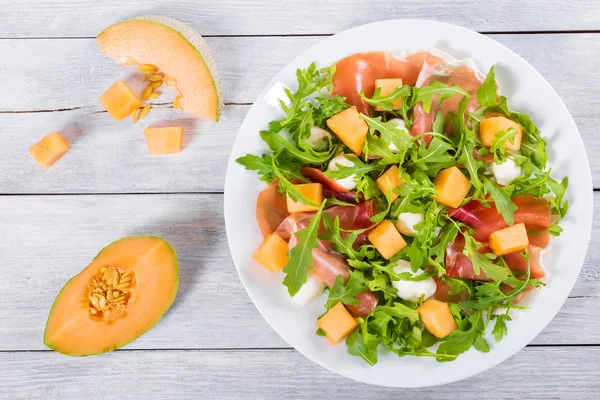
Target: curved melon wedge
<point x="147" y="281"/>
<point x="177" y="50"/>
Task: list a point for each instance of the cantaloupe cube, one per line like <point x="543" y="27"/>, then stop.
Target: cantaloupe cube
<point x="509" y="240"/>
<point x="437" y="318"/>
<point x="490" y="126"/>
<point x="389" y="180"/>
<point x="120" y="101"/>
<point x="164" y="140"/>
<point x="49" y="149"/>
<point x="312" y="191"/>
<point x="351" y="130"/>
<point x="387" y="87"/>
<point x="386" y="239"/>
<point x="452" y="187"/>
<point x="337" y="323"/>
<point x="272" y="253"/>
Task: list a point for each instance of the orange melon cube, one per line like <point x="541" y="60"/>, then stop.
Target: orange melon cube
<point x="120" y="101"/>
<point x="351" y="130"/>
<point x="437" y="318"/>
<point x="337" y="323"/>
<point x="387" y="86"/>
<point x="312" y="191"/>
<point x="452" y="187"/>
<point x="390" y="181"/>
<point x="386" y="239"/>
<point x="509" y="240"/>
<point x="272" y="253"/>
<point x="164" y="140"/>
<point x="490" y="126"/>
<point x="48" y="150"/>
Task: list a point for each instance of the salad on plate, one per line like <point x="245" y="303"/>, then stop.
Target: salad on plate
<point x="408" y="190"/>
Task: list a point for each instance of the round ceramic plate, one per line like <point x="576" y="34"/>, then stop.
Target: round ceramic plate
<point x="527" y="92"/>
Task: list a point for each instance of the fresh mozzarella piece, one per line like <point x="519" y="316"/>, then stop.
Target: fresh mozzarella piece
<point x="311" y="289"/>
<point x="413" y="290"/>
<point x="407" y="221"/>
<point x="319" y="138"/>
<point x="400" y="124"/>
<point x="506" y="172"/>
<point x="347" y="183"/>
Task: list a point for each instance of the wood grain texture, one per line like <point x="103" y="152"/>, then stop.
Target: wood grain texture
<point x="552" y="373"/>
<point x="45" y="240"/>
<point x="110" y="157"/>
<point x="47" y="18"/>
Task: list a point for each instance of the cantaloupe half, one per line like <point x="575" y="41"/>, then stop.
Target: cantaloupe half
<point x="141" y="274"/>
<point x="177" y="50"/>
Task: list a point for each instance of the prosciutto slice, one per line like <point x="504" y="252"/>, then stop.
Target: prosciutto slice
<point x="327" y="263"/>
<point x="534" y="212"/>
<point x="358" y="72"/>
<point x="439" y="66"/>
<point x="458" y="265"/>
<point x="330" y="186"/>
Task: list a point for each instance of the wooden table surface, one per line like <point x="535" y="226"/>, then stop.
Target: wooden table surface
<point x="213" y="343"/>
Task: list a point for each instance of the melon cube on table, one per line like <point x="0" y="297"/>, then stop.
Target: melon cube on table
<point x="120" y="101"/>
<point x="437" y="318"/>
<point x="272" y="253"/>
<point x="386" y="239"/>
<point x="350" y="128"/>
<point x="387" y="87"/>
<point x="164" y="140"/>
<point x="509" y="240"/>
<point x="452" y="187"/>
<point x="48" y="150"/>
<point x="312" y="191"/>
<point x="489" y="127"/>
<point x="390" y="180"/>
<point x="337" y="323"/>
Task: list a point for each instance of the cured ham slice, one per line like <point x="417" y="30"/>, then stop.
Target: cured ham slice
<point x="317" y="176"/>
<point x="358" y="72"/>
<point x="439" y="66"/>
<point x="534" y="212"/>
<point x="459" y="265"/>
<point x="271" y="209"/>
<point x="517" y="262"/>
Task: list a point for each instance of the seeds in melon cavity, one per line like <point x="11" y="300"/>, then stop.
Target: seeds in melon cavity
<point x="102" y="270"/>
<point x="156" y="85"/>
<point x="147" y="92"/>
<point x="93" y="311"/>
<point x="154" y="95"/>
<point x="154" y="78"/>
<point x="102" y="302"/>
<point x="145" y="111"/>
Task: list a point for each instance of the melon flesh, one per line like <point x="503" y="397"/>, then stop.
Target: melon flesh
<point x="71" y="328"/>
<point x="177" y="50"/>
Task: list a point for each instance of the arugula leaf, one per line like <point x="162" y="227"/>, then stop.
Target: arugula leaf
<point x="483" y="261"/>
<point x="498" y="148"/>
<point x="367" y="186"/>
<point x="487" y="95"/>
<point x="321" y="332"/>
<point x="387" y="102"/>
<point x="327" y="107"/>
<point x="480" y="343"/>
<point x="362" y="344"/>
<point x="439" y="122"/>
<point x="262" y="165"/>
<point x="559" y="190"/>
<point x="446" y="236"/>
<point x="502" y="200"/>
<point x="377" y="146"/>
<point x="288" y="187"/>
<point x="399" y="137"/>
<point x="500" y="330"/>
<point x="296" y="270"/>
<point x="377" y="218"/>
<point x="358" y="168"/>
<point x="343" y="245"/>
<point x="346" y="294"/>
<point x="425" y="94"/>
<point x="460" y="341"/>
<point x="433" y="157"/>
<point x="278" y="144"/>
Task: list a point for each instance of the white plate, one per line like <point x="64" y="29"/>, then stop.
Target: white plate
<point x="526" y="90"/>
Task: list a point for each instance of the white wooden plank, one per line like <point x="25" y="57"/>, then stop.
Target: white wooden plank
<point x="533" y="373"/>
<point x="110" y="156"/>
<point x="46" y="18"/>
<point x="45" y="240"/>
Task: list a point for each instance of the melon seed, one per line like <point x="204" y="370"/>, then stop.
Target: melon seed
<point x="145" y="111"/>
<point x="156" y="85"/>
<point x="153" y="95"/>
<point x="147" y="92"/>
<point x="148" y="69"/>
<point x="134" y="116"/>
<point x="154" y="78"/>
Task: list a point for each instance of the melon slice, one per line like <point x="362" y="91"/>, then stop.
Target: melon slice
<point x="177" y="50"/>
<point x="121" y="294"/>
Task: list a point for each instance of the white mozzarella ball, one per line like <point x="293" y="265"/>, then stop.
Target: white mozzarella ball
<point x="413" y="290"/>
<point x="506" y="172"/>
<point x="400" y="124"/>
<point x="311" y="289"/>
<point x="347" y="183"/>
<point x="407" y="221"/>
<point x="319" y="138"/>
